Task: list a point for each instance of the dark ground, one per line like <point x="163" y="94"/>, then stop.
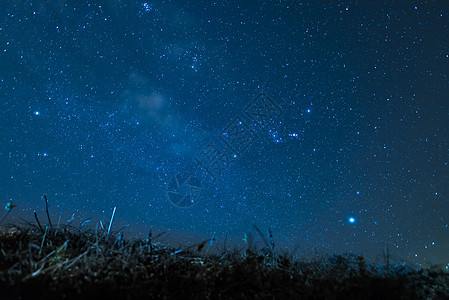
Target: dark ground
<point x="75" y="263"/>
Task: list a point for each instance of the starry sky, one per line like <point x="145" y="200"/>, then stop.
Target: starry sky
<point x="114" y="104"/>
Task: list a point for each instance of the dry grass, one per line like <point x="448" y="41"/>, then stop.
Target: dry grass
<point x="70" y="263"/>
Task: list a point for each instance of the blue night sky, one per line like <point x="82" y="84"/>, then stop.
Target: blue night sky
<point x="118" y="104"/>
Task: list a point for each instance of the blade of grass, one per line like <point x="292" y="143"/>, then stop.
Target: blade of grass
<point x="46" y="210"/>
<point x="38" y="223"/>
<point x="112" y="219"/>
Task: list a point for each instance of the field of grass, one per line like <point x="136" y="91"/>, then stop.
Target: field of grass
<point x="64" y="262"/>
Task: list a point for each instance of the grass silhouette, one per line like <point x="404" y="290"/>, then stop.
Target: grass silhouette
<point x="67" y="262"/>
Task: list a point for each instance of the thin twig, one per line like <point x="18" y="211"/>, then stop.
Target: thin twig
<point x="262" y="236"/>
<point x="112" y="219"/>
<point x="76" y="259"/>
<point x="120" y="229"/>
<point x="38" y="223"/>
<point x="46" y="210"/>
<point x="59" y="220"/>
<point x="43" y="240"/>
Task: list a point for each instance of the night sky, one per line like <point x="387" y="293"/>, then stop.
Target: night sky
<point x="326" y="122"/>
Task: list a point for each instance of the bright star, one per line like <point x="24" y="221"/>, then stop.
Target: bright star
<point x="351" y="220"/>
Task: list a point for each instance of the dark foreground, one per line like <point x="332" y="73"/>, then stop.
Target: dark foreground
<point x="72" y="263"/>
